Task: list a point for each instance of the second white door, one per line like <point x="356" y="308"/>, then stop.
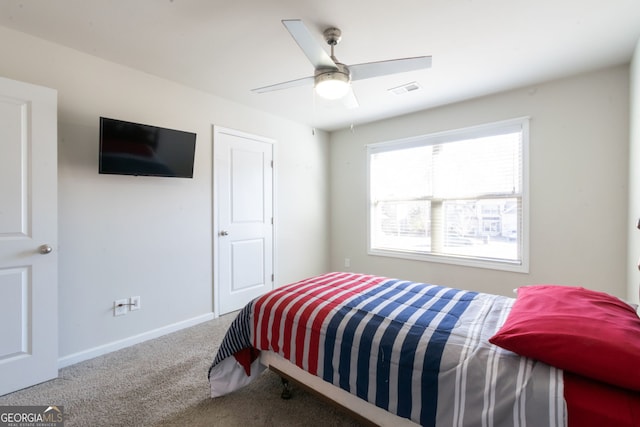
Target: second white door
<point x="243" y="218"/>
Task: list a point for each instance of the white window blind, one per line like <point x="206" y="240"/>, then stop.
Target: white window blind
<point x="457" y="196"/>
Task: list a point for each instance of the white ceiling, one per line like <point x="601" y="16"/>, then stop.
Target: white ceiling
<point x="229" y="47"/>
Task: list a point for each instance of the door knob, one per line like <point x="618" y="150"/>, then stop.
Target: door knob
<point x="45" y="249"/>
<point x="224" y="233"/>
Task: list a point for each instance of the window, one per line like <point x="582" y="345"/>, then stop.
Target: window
<point x="457" y="196"/>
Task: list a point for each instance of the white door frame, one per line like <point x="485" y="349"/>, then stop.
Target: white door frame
<point x="217" y="130"/>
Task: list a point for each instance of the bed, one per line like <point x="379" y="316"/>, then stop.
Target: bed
<point x="397" y="352"/>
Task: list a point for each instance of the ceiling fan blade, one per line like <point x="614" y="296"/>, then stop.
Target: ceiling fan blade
<point x="311" y="48"/>
<point x="383" y="68"/>
<point x="284" y="85"/>
<point x="350" y="100"/>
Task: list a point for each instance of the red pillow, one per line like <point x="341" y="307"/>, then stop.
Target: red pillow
<point x="582" y="331"/>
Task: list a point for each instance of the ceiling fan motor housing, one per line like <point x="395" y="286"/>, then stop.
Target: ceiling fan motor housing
<point x="341" y="73"/>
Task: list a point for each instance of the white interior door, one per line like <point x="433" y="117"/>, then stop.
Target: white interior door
<point x="28" y="235"/>
<point x="243" y="218"/>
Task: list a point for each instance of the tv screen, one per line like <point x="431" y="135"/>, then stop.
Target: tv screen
<point x="135" y="149"/>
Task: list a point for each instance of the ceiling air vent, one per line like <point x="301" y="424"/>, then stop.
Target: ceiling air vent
<point x="408" y="87"/>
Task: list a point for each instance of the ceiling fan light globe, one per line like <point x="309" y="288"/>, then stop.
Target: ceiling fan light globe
<point x="332" y="85"/>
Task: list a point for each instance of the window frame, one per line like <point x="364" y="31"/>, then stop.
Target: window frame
<point x="519" y="124"/>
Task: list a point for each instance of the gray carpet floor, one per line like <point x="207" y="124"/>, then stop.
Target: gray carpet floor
<point x="163" y="382"/>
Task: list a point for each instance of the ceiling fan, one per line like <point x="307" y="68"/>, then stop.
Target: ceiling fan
<point x="332" y="79"/>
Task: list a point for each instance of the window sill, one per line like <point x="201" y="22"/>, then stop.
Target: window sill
<point x="488" y="263"/>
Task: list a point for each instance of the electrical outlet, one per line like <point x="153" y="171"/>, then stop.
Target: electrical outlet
<point x="347" y="262"/>
<point x="120" y="307"/>
<point x="134" y="303"/>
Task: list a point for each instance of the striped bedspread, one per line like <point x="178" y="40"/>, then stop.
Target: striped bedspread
<point x="417" y="350"/>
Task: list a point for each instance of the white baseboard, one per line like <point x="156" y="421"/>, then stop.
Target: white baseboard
<point x="127" y="342"/>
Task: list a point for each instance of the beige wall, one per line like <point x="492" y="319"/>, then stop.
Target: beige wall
<point x="633" y="278"/>
<point x="579" y="146"/>
<point x="122" y="236"/>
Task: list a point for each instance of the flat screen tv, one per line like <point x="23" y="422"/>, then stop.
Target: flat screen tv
<point x="135" y="149"/>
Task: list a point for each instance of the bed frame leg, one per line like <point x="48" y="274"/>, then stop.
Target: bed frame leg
<point x="286" y="389"/>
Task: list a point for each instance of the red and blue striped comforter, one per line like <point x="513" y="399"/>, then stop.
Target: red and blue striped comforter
<point x="417" y="350"/>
